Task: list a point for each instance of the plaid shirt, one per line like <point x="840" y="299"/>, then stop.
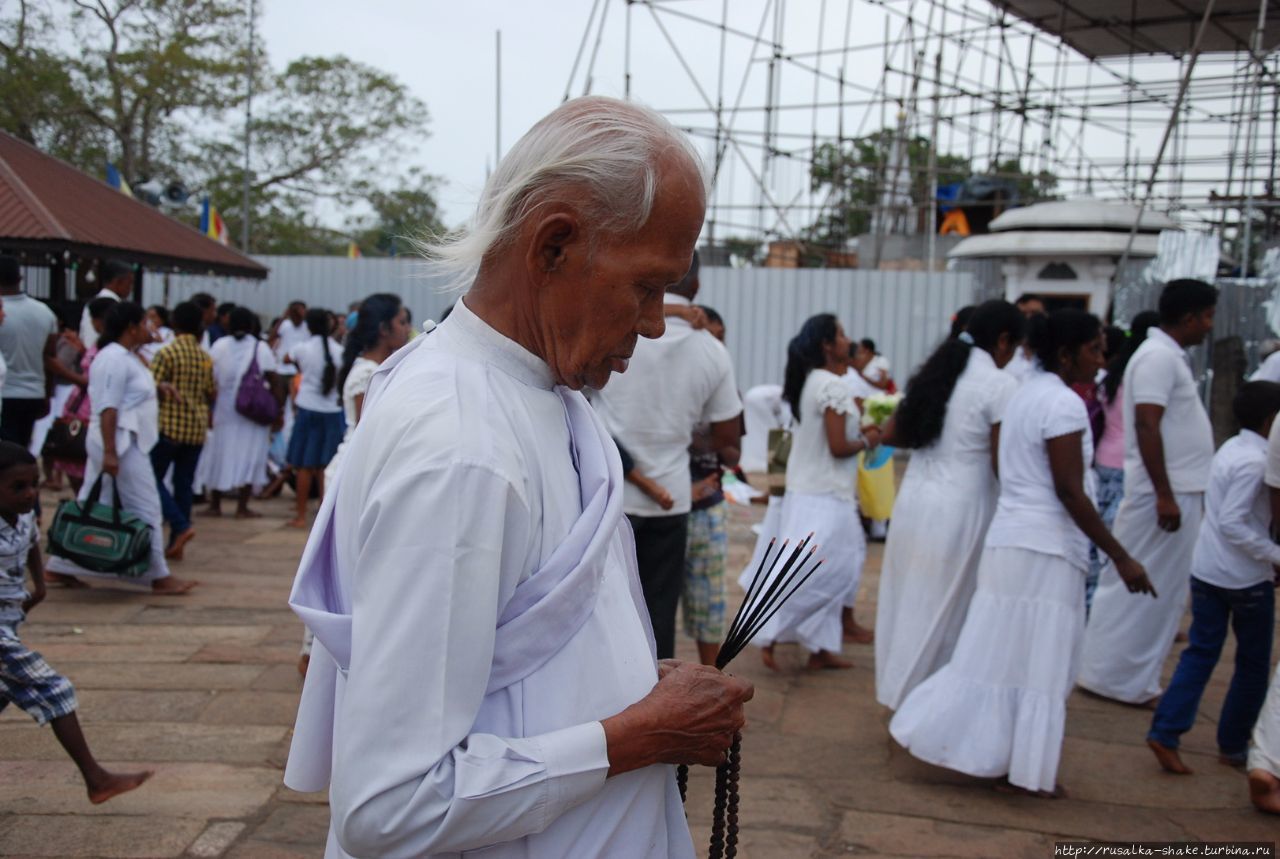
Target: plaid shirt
<point x="189" y="369"/>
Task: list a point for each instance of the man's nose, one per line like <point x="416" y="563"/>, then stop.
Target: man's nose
<point x="652" y="322"/>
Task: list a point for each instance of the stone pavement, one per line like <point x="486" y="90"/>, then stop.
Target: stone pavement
<point x="203" y="689"/>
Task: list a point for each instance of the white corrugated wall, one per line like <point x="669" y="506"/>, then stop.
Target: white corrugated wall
<point x="906" y="313"/>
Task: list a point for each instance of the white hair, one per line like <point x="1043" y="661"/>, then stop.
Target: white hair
<point x="606" y="147"/>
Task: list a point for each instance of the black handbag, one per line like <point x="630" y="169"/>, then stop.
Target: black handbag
<point x="101" y="538"/>
<point x="67" y="436"/>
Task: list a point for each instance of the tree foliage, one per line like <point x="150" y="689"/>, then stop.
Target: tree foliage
<point x="855" y="175"/>
<point x="158" y="87"/>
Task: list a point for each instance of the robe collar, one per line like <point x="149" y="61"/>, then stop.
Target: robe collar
<point x="473" y="335"/>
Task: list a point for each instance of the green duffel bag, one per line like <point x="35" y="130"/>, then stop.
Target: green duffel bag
<point x="99" y="537"/>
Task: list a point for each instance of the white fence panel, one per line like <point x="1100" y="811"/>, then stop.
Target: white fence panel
<point x="905" y="312"/>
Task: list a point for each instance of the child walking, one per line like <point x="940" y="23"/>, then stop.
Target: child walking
<point x="25" y="678"/>
<point x="1232" y="584"/>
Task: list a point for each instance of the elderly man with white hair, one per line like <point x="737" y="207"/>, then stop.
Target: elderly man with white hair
<point x="484" y="674"/>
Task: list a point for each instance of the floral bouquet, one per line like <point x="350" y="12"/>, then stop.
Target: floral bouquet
<point x="879" y="408"/>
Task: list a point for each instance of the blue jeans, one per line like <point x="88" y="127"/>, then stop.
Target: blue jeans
<point x="1110" y="494"/>
<point x="1251" y="614"/>
<point x="183" y="458"/>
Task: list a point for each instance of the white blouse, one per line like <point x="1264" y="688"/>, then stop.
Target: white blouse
<point x="356" y="385"/>
<point x="811" y="467"/>
<point x="119" y="380"/>
<point x="309" y="358"/>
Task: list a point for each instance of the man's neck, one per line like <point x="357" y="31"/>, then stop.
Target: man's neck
<point x="1176" y="335"/>
<point x="510" y="318"/>
<point x="7" y="291"/>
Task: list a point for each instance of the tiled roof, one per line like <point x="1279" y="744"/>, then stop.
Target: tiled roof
<point x="48" y="205"/>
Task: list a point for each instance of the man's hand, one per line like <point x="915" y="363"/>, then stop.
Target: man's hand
<point x="690" y="717"/>
<point x="1168" y="514"/>
<point x="1134" y="576"/>
<point x="168" y="391"/>
<point x="706" y="487"/>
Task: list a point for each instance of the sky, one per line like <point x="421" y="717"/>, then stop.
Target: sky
<point x="445" y="51"/>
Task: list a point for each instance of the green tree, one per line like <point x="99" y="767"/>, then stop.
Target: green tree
<point x="399" y="216"/>
<point x="1031" y="187"/>
<point x="855" y="174"/>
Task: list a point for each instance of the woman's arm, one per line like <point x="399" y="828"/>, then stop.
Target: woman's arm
<point x="107" y="422"/>
<point x="841" y="446"/>
<point x="995" y="449"/>
<point x="1066" y="462"/>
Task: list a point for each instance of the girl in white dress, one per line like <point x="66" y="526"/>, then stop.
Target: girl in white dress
<point x="950" y="417"/>
<point x="123" y="427"/>
<point x="998" y="708"/>
<point x="318" y="423"/>
<point x="820" y="498"/>
<point x="235" y="457"/>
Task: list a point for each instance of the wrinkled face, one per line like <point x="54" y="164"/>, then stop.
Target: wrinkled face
<point x="597" y="301"/>
<point x="18" y="487"/>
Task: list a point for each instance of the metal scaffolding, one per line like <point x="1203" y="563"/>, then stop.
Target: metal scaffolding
<point x="1172" y="104"/>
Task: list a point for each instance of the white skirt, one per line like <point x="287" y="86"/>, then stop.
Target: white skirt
<point x="235" y="453"/>
<point x="138" y="495"/>
<point x="1264" y="751"/>
<point x="812" y="616"/>
<point x="1129" y="635"/>
<point x="999" y="707"/>
<point x="929" y="573"/>
<point x="40" y="431"/>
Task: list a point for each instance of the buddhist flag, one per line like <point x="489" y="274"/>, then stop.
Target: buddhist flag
<point x="115" y="180"/>
<point x="211" y="223"/>
<point x="353" y="250"/>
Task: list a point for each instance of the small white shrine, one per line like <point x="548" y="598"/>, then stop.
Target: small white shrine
<point x="1066" y="250"/>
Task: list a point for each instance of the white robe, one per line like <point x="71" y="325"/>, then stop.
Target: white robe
<point x="1264" y="750"/>
<point x="460" y="706"/>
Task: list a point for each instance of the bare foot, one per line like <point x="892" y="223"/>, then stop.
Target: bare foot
<point x="1058" y="792"/>
<point x="113" y="784"/>
<point x="300" y="522"/>
<point x="825" y="660"/>
<point x="211" y="511"/>
<point x="172" y="586"/>
<point x="858" y="634"/>
<point x="1264" y="791"/>
<point x="1169" y="759"/>
<point x="766" y="656"/>
<point x="246" y="513"/>
<point x="1181" y="637"/>
<point x="304" y="662"/>
<point x="175" y="550"/>
<point x="66" y="581"/>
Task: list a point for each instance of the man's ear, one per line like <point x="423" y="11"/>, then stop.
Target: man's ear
<point x="553" y="237"/>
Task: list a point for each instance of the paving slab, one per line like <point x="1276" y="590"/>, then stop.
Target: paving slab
<point x="114" y="838"/>
<point x="159" y="741"/>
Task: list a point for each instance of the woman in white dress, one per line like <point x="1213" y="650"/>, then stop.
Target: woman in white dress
<point x="123" y="427"/>
<point x="950" y="418"/>
<point x="998" y="708"/>
<point x="234" y="459"/>
<point x="821" y="472"/>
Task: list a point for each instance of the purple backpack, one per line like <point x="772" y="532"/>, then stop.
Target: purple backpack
<point x="254" y="399"/>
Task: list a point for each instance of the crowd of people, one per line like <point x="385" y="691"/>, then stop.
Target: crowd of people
<point x="539" y="488"/>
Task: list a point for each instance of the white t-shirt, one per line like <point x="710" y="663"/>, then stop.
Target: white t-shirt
<point x="811" y="467"/>
<point x="1272" y="478"/>
<point x="1029" y="514"/>
<point x="877" y="369"/>
<point x="119" y="380"/>
<point x="682" y="379"/>
<point x="291" y="336"/>
<point x="1022" y="365"/>
<point x="27" y="327"/>
<point x="88" y="335"/>
<point x="858" y="386"/>
<point x="1234" y="547"/>
<point x="311" y="364"/>
<point x="1159" y="374"/>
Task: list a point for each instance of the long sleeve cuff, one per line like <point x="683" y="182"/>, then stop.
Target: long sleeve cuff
<point x="577" y="761"/>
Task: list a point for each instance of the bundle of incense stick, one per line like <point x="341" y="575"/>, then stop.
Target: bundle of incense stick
<point x="765" y="595"/>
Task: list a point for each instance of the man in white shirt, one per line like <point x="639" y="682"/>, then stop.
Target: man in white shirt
<point x="483" y="678"/>
<point x="117" y="285"/>
<point x="682" y="379"/>
<point x="28" y="339"/>
<point x="1263" y="764"/>
<point x="1269" y="368"/>
<point x="1233" y="576"/>
<point x="290" y="333"/>
<point x="1168" y="450"/>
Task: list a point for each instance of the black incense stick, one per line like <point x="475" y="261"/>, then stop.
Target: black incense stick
<point x="766" y="594"/>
